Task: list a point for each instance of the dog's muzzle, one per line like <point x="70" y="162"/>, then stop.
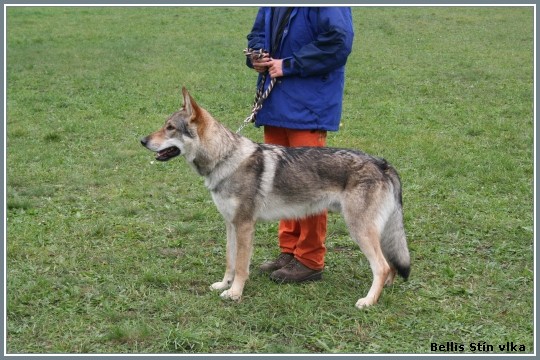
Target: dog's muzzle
<point x="165" y="154"/>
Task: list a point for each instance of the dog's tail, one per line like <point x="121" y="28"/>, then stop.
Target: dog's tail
<point x="393" y="239"/>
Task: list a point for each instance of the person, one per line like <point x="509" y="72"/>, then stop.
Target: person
<point x="305" y="50"/>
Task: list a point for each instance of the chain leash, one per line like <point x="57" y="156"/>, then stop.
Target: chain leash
<point x="260" y="95"/>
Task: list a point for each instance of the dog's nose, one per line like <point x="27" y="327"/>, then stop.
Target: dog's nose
<point x="144" y="141"/>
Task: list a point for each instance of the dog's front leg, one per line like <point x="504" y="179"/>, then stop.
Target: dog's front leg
<point x="231" y="258"/>
<point x="244" y="248"/>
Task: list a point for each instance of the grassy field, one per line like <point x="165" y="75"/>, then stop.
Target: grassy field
<point x="109" y="251"/>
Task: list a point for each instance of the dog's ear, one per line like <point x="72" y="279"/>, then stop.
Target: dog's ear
<point x="195" y="113"/>
<point x="190" y="106"/>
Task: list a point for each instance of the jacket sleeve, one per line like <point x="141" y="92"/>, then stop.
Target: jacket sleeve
<point x="329" y="50"/>
<point x="256" y="38"/>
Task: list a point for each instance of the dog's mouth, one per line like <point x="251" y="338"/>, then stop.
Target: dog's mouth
<point x="167" y="153"/>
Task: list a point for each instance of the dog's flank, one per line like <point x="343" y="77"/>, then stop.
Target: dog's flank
<point x="250" y="182"/>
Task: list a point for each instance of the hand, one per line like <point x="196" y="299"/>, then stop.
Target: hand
<point x="275" y="68"/>
<point x="261" y="65"/>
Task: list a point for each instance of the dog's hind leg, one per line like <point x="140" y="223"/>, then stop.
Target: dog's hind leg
<point x="370" y="245"/>
<point x="367" y="235"/>
<point x="244" y="248"/>
<point x="391" y="277"/>
<point x="231" y="260"/>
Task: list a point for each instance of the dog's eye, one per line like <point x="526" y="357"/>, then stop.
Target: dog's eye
<point x="170" y="127"/>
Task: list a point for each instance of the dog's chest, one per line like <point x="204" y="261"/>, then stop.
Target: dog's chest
<point x="226" y="205"/>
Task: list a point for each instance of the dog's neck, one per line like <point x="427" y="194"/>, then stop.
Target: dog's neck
<point x="218" y="148"/>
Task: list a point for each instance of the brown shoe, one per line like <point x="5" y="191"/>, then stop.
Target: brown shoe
<point x="282" y="260"/>
<point x="295" y="272"/>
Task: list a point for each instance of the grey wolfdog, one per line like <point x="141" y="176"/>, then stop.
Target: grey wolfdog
<point x="250" y="181"/>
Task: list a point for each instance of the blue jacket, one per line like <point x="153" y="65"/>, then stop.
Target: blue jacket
<point x="315" y="46"/>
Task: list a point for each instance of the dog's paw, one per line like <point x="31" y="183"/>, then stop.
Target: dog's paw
<point x="221" y="285"/>
<point x="364" y="302"/>
<point x="231" y="295"/>
<point x="390" y="279"/>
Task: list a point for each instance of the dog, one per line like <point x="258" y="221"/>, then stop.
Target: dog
<point x="249" y="181"/>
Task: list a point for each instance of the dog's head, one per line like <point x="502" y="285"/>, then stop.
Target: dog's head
<point x="180" y="132"/>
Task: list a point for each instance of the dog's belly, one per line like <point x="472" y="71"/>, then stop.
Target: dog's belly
<point x="277" y="209"/>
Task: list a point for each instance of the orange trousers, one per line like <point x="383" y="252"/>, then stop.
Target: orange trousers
<point x="305" y="237"/>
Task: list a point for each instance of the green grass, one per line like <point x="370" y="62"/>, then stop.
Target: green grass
<point x="111" y="252"/>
